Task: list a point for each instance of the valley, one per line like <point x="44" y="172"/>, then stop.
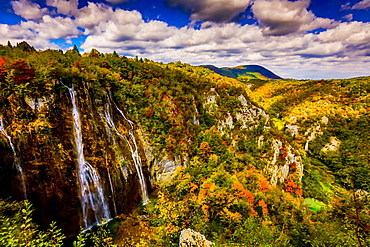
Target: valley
<point x="158" y="148"/>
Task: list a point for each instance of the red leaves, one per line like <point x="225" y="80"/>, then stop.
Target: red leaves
<point x="243" y="193"/>
<point x="22" y="72"/>
<point x="293" y="166"/>
<point x="290" y="186"/>
<point x="3" y="71"/>
<point x="283" y="152"/>
<point x="263" y="205"/>
<point x="264" y="185"/>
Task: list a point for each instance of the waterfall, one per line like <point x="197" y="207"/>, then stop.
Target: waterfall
<point x="113" y="194"/>
<point x="109" y="124"/>
<point x="133" y="148"/>
<point x="17" y="163"/>
<point x="93" y="203"/>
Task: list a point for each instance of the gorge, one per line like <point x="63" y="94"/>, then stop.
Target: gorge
<point x="88" y="138"/>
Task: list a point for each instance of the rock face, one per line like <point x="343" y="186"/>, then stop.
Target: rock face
<point x="282" y="159"/>
<point x="44" y="141"/>
<point x="250" y="113"/>
<point x="285" y="161"/>
<point x="333" y="145"/>
<point x="311" y="134"/>
<point x="191" y="238"/>
<point x="161" y="168"/>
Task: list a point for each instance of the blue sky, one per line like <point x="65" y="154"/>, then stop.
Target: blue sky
<point x="295" y="39"/>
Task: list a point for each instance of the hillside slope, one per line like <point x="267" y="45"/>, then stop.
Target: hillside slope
<point x="329" y="121"/>
<point x="246" y="71"/>
<point x="88" y="136"/>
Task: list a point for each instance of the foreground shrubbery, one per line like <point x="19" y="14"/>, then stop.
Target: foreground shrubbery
<point x="17" y="228"/>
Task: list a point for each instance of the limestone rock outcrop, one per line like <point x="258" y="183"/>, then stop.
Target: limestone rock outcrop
<point x="191" y="238"/>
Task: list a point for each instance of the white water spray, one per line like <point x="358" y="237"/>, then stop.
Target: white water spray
<point x="113" y="194"/>
<point x="17" y="163"/>
<point x="133" y="148"/>
<point x="93" y="203"/>
<point x="109" y="125"/>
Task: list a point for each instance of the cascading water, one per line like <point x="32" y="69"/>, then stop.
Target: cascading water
<point x="17" y="163"/>
<point x="109" y="125"/>
<point x="113" y="194"/>
<point x="93" y="203"/>
<point x="133" y="147"/>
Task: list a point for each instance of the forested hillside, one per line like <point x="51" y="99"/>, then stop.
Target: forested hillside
<point x="244" y="72"/>
<point x="161" y="148"/>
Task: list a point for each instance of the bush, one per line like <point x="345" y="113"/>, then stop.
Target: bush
<point x="17" y="228"/>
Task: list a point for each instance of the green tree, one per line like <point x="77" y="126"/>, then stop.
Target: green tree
<point x="17" y="228"/>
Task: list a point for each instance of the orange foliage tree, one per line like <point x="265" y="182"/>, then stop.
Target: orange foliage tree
<point x="290" y="186"/>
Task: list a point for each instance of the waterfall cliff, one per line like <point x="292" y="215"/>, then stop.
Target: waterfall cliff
<point x="16" y="160"/>
<point x="78" y="160"/>
<point x="91" y="192"/>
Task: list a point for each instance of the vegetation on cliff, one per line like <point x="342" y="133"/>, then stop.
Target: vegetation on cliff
<point x="263" y="162"/>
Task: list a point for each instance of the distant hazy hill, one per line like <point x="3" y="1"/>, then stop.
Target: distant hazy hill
<point x="251" y="71"/>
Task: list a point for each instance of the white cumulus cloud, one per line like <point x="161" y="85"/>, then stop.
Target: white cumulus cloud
<point x="28" y="10"/>
<point x="282" y="17"/>
<point x="93" y="15"/>
<point x="64" y="7"/>
<point x="55" y="28"/>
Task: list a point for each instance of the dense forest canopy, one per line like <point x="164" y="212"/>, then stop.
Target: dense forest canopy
<point x="262" y="162"/>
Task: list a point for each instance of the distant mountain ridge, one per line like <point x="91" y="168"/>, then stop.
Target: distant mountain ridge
<point x="251" y="71"/>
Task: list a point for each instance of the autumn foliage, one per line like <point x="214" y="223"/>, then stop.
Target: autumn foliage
<point x="22" y="72"/>
<point x="290" y="186"/>
<point x="243" y="193"/>
<point x="224" y="189"/>
<point x="3" y="70"/>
